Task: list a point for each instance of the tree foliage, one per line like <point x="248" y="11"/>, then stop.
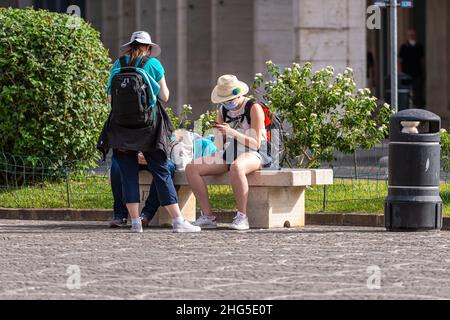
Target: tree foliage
<point x="324" y="112"/>
<point x="53" y="75"/>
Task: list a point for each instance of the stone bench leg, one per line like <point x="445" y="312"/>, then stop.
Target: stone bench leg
<point x="276" y="207"/>
<point x="186" y="201"/>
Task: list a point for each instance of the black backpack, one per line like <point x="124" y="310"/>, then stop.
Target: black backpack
<point x="273" y="125"/>
<point x="130" y="101"/>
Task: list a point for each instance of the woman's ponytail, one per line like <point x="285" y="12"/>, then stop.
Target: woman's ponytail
<point x="137" y="50"/>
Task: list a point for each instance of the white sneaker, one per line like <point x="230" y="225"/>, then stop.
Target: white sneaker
<point x="206" y="222"/>
<point x="240" y="222"/>
<point x="137" y="228"/>
<point x="185" y="227"/>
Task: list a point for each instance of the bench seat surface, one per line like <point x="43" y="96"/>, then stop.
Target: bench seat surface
<point x="266" y="178"/>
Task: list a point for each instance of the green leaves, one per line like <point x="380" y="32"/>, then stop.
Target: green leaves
<point x="323" y="111"/>
<point x="445" y="150"/>
<point x="181" y="121"/>
<point x="53" y="86"/>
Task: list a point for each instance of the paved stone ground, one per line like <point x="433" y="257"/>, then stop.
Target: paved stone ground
<point x="309" y="263"/>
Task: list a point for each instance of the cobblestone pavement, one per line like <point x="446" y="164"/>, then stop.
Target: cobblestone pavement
<point x="309" y="263"/>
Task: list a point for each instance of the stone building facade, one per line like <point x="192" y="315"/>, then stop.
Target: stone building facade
<point x="203" y="39"/>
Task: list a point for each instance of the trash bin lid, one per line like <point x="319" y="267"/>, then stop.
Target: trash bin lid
<point x="415" y="125"/>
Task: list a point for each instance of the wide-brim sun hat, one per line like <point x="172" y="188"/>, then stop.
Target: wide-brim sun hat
<point x="144" y="38"/>
<point x="228" y="88"/>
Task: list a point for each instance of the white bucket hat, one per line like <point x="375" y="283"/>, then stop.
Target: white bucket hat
<point x="228" y="88"/>
<point x="144" y="38"/>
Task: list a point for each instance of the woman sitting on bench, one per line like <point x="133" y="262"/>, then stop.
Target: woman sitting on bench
<point x="241" y="139"/>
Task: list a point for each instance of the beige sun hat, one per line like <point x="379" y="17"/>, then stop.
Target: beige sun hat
<point x="228" y="88"/>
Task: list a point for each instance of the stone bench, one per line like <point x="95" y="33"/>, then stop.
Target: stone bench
<point x="276" y="197"/>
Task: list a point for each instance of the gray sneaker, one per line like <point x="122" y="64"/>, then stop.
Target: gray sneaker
<point x="206" y="222"/>
<point x="240" y="223"/>
<point x="137" y="228"/>
<point x="118" y="223"/>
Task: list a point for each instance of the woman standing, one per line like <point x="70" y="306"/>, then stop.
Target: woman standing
<point x="127" y="141"/>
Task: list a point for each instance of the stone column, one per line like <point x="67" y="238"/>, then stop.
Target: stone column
<point x="274" y="33"/>
<point x="24" y="3"/>
<point x="172" y="34"/>
<point x="199" y="56"/>
<point x="131" y="17"/>
<point x="233" y="38"/>
<point x="182" y="62"/>
<point x="329" y="32"/>
<point x="149" y="18"/>
<point x="94" y="13"/>
<point x="112" y="26"/>
<point x="438" y="59"/>
<point x="9" y="3"/>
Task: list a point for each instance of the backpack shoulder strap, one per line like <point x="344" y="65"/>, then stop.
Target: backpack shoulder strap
<point x="224" y="114"/>
<point x="248" y="110"/>
<point x="123" y="61"/>
<point x="144" y="61"/>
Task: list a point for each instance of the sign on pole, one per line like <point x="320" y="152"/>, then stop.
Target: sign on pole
<point x="393" y="4"/>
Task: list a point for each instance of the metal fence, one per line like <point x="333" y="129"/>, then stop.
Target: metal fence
<point x="30" y="182"/>
<point x="360" y="185"/>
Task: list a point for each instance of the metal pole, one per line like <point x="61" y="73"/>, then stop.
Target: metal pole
<point x="66" y="169"/>
<point x="394" y="66"/>
<point x="381" y="59"/>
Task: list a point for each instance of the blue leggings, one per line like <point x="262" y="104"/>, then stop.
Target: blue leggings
<point x="158" y="165"/>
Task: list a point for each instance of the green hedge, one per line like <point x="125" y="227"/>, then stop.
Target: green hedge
<point x="53" y="76"/>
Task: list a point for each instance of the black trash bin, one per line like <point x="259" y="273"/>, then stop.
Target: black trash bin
<point x="413" y="202"/>
<point x="405" y="83"/>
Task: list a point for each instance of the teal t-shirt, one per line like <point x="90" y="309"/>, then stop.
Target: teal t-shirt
<point x="154" y="68"/>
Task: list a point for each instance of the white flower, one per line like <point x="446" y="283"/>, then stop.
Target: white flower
<point x="258" y="75"/>
<point x="269" y="62"/>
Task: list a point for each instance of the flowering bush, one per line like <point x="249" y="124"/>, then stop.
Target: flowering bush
<point x="181" y="121"/>
<point x="323" y="112"/>
<point x="201" y="126"/>
<point x="53" y="75"/>
<point x="206" y="121"/>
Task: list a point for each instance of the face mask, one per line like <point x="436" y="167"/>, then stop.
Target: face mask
<point x="231" y="105"/>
